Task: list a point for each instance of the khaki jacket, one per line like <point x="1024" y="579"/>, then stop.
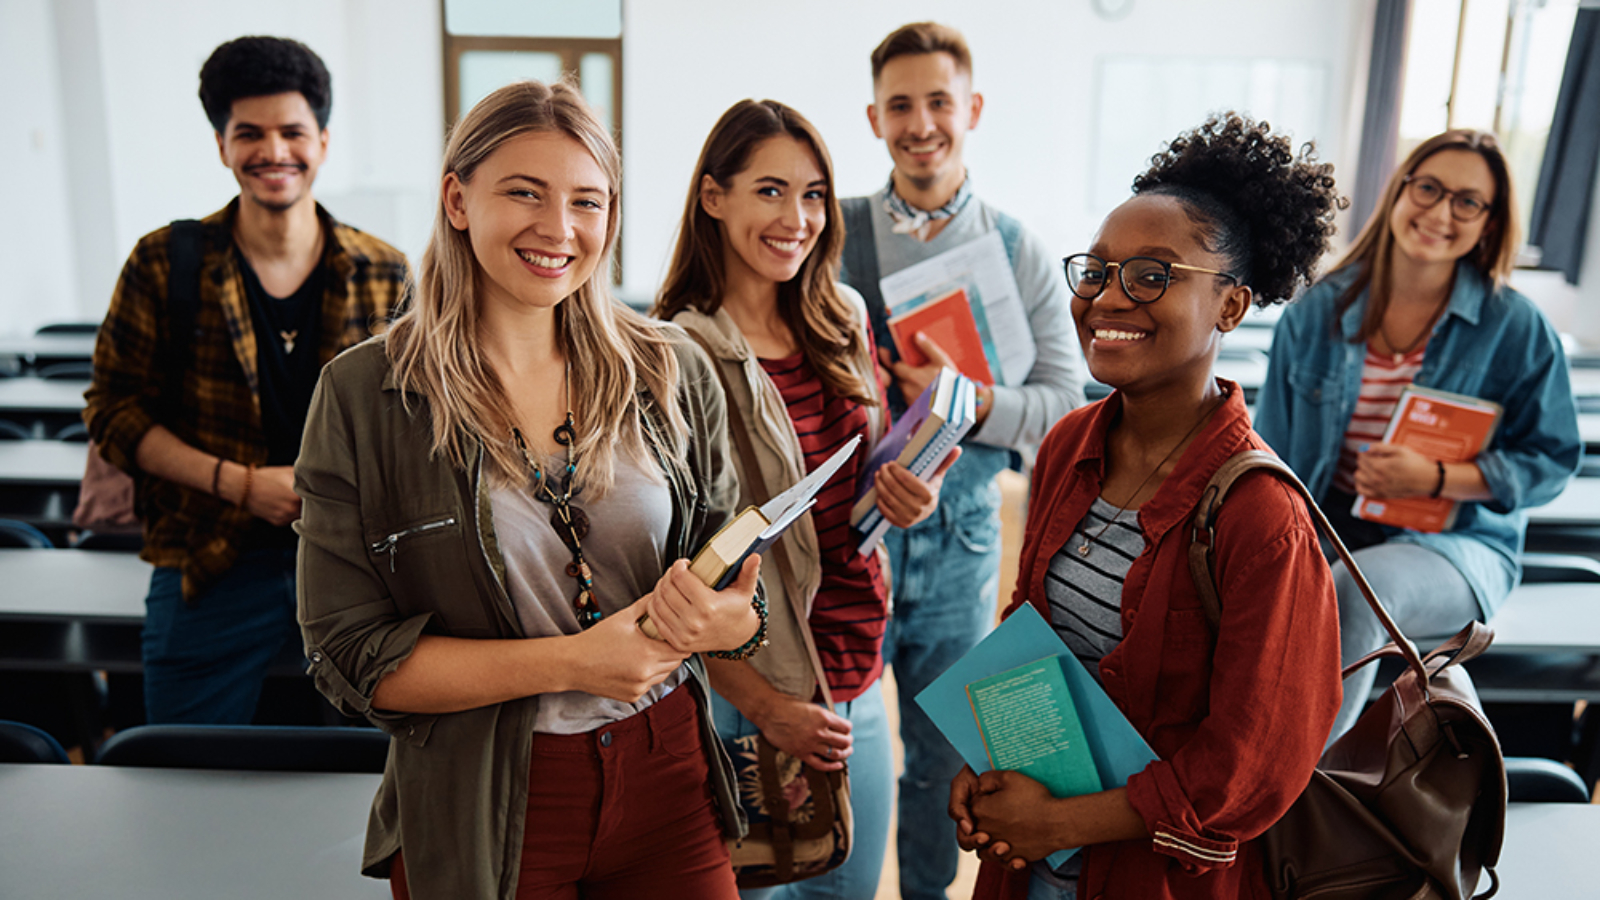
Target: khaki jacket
<point x="784" y="662"/>
<point x="395" y="543"/>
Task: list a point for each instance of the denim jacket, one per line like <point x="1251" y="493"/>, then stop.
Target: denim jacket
<point x="1490" y="343"/>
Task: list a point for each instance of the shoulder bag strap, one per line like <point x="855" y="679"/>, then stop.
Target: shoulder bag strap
<point x="1203" y="541"/>
<point x="184" y="252"/>
<point x="861" y="266"/>
<point x="778" y="551"/>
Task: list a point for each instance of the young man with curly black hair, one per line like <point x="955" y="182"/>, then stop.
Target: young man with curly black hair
<point x="946" y="571"/>
<point x="203" y="372"/>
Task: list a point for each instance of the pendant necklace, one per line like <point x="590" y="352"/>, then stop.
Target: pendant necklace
<point x="1083" y="549"/>
<point x="288" y="340"/>
<point x="1398" y="355"/>
<point x="570" y="523"/>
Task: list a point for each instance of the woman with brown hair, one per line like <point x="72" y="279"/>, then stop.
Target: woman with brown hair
<point x="494" y="496"/>
<point x="753" y="278"/>
<point x="1421" y="298"/>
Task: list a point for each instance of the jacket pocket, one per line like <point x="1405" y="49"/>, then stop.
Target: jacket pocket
<point x="425" y="563"/>
<point x="1313" y="384"/>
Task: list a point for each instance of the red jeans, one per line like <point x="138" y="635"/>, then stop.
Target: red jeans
<point x="624" y="811"/>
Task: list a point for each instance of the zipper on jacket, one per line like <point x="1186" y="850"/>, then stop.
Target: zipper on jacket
<point x="391" y="544"/>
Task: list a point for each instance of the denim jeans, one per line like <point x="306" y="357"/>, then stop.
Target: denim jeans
<point x="946" y="581"/>
<point x="204" y="663"/>
<point x="1424" y="593"/>
<point x="1039" y="889"/>
<point x="871" y="792"/>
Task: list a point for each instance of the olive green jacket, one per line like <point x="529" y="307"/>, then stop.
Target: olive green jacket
<point x="395" y="543"/>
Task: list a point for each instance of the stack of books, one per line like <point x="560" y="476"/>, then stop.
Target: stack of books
<point x="924" y="436"/>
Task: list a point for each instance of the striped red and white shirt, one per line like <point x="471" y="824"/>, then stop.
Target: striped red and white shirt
<point x="851" y="610"/>
<point x="1383" y="377"/>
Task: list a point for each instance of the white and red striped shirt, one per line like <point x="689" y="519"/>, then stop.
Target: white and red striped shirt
<point x="1383" y="377"/>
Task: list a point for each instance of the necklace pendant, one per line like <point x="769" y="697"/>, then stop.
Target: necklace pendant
<point x="288" y="339"/>
<point x="1083" y="549"/>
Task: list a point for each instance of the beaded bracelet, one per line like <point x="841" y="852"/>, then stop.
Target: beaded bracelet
<point x="757" y="641"/>
<point x="249" y="476"/>
<point x="1438" y="488"/>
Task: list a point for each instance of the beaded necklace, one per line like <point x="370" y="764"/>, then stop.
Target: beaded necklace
<point x="570" y="522"/>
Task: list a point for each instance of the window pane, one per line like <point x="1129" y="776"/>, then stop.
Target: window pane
<point x="1482" y="51"/>
<point x="534" y="18"/>
<point x="1430" y="55"/>
<point x="482" y="71"/>
<point x="1539" y="43"/>
<point x="596" y="73"/>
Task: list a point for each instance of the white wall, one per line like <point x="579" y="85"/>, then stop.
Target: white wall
<point x="1036" y="63"/>
<point x="110" y="142"/>
<point x="107" y="139"/>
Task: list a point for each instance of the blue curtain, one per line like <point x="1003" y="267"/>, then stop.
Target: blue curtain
<point x="1561" y="205"/>
<point x="1380" y="123"/>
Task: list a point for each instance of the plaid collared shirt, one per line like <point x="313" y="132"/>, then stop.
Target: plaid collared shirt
<point x="217" y="407"/>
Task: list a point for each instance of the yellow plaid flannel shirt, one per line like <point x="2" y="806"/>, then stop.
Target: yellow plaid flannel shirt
<point x="218" y="403"/>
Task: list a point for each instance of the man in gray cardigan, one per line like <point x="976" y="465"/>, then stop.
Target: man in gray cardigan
<point x="946" y="571"/>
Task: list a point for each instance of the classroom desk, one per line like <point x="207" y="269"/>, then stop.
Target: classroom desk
<point x="25" y="394"/>
<point x="75" y="832"/>
<point x="33" y="348"/>
<point x="1548" y="852"/>
<point x="44" y="463"/>
<point x="1578" y="505"/>
<point x="71" y="610"/>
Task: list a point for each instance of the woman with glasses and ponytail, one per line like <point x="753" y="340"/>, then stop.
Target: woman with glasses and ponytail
<point x="1421" y="298"/>
<point x="1229" y="216"/>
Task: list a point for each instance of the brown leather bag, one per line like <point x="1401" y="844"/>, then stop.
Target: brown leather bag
<point x="1410" y="803"/>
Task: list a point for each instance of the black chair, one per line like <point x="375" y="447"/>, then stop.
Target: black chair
<point x="75" y="432"/>
<point x="67" y="370"/>
<point x="1545" y="568"/>
<point x="116" y="541"/>
<point x="21" y="534"/>
<point x="260" y="748"/>
<point x="11" y="431"/>
<point x="69" y="328"/>
<point x="23" y="743"/>
<point x="1530" y="779"/>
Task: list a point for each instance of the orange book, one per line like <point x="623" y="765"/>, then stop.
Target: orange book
<point x="1448" y="427"/>
<point x="948" y="321"/>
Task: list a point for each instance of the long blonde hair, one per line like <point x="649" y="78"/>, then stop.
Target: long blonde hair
<point x="1373" y="251"/>
<point x="612" y="351"/>
<point x="824" y="323"/>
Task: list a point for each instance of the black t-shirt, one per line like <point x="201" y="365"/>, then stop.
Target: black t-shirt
<point x="288" y="339"/>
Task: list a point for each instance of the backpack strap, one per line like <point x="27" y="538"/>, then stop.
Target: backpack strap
<point x="1204" y="537"/>
<point x="184" y="253"/>
<point x="779" y="550"/>
<point x="861" y="266"/>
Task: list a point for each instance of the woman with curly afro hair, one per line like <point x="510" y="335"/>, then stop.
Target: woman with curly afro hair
<point x="1228" y="216"/>
<point x="1422" y="299"/>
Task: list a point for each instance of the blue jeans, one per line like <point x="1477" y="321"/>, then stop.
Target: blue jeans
<point x="1039" y="889"/>
<point x="871" y="792"/>
<point x="204" y="663"/>
<point x="946" y="581"/>
<point x="1425" y="594"/>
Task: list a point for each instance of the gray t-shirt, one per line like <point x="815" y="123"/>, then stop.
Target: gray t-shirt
<point x="625" y="550"/>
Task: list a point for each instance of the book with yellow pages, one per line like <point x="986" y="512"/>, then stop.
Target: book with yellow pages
<point x="1451" y="428"/>
<point x="755" y="529"/>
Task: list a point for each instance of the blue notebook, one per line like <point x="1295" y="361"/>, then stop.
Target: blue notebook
<point x="1118" y="750"/>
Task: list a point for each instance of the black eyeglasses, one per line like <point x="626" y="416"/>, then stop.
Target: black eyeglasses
<point x="1144" y="278"/>
<point x="1426" y="192"/>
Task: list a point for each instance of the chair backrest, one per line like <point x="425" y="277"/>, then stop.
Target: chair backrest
<point x="68" y="370"/>
<point x="11" y="431"/>
<point x="1543" y="568"/>
<point x="21" y="534"/>
<point x="75" y="432"/>
<point x="1530" y="779"/>
<point x="112" y="541"/>
<point x="265" y="748"/>
<point x="69" y="328"/>
<point x="23" y="743"/>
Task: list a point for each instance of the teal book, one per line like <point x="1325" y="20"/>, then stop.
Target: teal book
<point x="1030" y="725"/>
<point x="1024" y="637"/>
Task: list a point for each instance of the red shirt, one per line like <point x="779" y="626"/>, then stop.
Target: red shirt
<point x="1238" y="723"/>
<point x="851" y="609"/>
